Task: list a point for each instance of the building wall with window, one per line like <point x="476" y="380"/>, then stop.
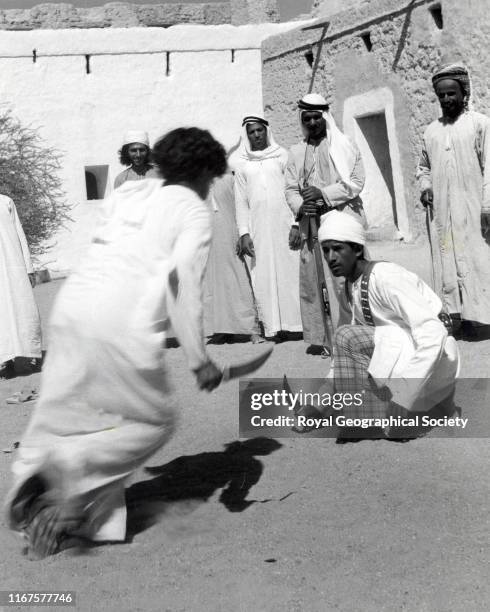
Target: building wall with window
<point x="374" y="61"/>
<point x="85" y="86"/>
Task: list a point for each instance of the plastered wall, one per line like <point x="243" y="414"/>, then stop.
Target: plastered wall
<point x="85" y="88"/>
<point x="406" y="47"/>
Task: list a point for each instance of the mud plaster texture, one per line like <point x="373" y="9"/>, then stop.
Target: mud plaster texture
<point x="407" y="47"/>
<point x="126" y="15"/>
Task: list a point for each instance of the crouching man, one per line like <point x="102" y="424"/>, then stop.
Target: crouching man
<point x="395" y="349"/>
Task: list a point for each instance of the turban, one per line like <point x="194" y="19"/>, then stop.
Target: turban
<point x="342" y="227"/>
<point x="455" y="72"/>
<point x="136" y="136"/>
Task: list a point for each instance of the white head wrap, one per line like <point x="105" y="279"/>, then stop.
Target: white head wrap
<point x="342" y="227"/>
<point x="139" y="136"/>
<point x="244" y="153"/>
<point x="343" y="152"/>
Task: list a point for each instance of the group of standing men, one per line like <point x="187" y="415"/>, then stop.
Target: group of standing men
<point x="276" y="196"/>
<point x="268" y="195"/>
<point x="324" y="172"/>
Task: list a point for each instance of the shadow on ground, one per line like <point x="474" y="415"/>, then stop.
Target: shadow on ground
<point x="194" y="478"/>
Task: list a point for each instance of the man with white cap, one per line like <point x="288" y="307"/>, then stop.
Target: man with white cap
<point x="135" y="153"/>
<point x="324" y="172"/>
<point x="394" y="348"/>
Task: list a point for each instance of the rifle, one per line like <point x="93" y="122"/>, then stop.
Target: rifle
<point x="321" y="283"/>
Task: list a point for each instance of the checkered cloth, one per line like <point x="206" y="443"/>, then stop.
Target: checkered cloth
<point x="353" y="348"/>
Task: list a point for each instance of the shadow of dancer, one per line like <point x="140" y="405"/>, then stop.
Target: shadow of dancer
<point x="196" y="477"/>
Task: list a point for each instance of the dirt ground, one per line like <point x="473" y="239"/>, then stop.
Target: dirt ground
<point x="374" y="526"/>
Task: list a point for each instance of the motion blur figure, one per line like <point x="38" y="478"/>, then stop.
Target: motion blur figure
<point x="106" y="401"/>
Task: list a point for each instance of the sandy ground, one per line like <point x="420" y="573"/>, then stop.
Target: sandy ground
<point x="366" y="527"/>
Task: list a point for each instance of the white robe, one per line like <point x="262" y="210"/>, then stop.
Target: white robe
<point x="455" y="163"/>
<point x="262" y="212"/>
<point x="413" y="355"/>
<point x="105" y="401"/>
<point x="20" y="326"/>
<point x="228" y="300"/>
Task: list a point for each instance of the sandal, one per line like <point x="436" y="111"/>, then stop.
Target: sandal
<point x="257" y="339"/>
<point x="325" y="354"/>
<point x="20" y="397"/>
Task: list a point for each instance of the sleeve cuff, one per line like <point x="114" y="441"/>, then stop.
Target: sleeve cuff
<point x="243" y="230"/>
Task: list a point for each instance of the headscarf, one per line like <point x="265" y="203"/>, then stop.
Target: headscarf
<point x="342" y="152"/>
<point x="455" y="72"/>
<point x="244" y="153"/>
<point x="342" y="227"/>
<point x="139" y="136"/>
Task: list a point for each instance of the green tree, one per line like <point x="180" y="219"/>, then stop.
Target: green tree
<point x="29" y="174"/>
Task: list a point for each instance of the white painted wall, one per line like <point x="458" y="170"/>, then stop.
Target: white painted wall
<point x="85" y="115"/>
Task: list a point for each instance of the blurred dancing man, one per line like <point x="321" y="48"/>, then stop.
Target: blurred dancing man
<point x="105" y="401"/>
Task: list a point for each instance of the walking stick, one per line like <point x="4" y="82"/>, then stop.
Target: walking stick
<point x="254" y="299"/>
<point x="436" y="283"/>
<point x="322" y="283"/>
<point x="432" y="243"/>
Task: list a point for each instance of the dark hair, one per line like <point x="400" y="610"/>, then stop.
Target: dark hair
<point x="124" y="155"/>
<point x="184" y="153"/>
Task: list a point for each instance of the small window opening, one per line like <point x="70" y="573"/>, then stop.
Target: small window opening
<point x="167" y="69"/>
<point x="232" y="56"/>
<point x="366" y="39"/>
<point x="96" y="182"/>
<point x="34" y="56"/>
<point x="436" y="12"/>
<point x="309" y="57"/>
<point x="87" y="64"/>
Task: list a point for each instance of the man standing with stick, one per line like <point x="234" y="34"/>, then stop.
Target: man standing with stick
<point x="454" y="177"/>
<point x="324" y="172"/>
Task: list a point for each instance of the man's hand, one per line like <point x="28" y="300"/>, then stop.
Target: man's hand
<point x="294" y="238"/>
<point x="485" y="225"/>
<point x="427" y="197"/>
<point x="311" y="194"/>
<point x="32" y="279"/>
<point x="246" y="246"/>
<point x="309" y="209"/>
<point x="208" y="376"/>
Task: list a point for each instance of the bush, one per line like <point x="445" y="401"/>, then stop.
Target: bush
<point x="29" y="174"/>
